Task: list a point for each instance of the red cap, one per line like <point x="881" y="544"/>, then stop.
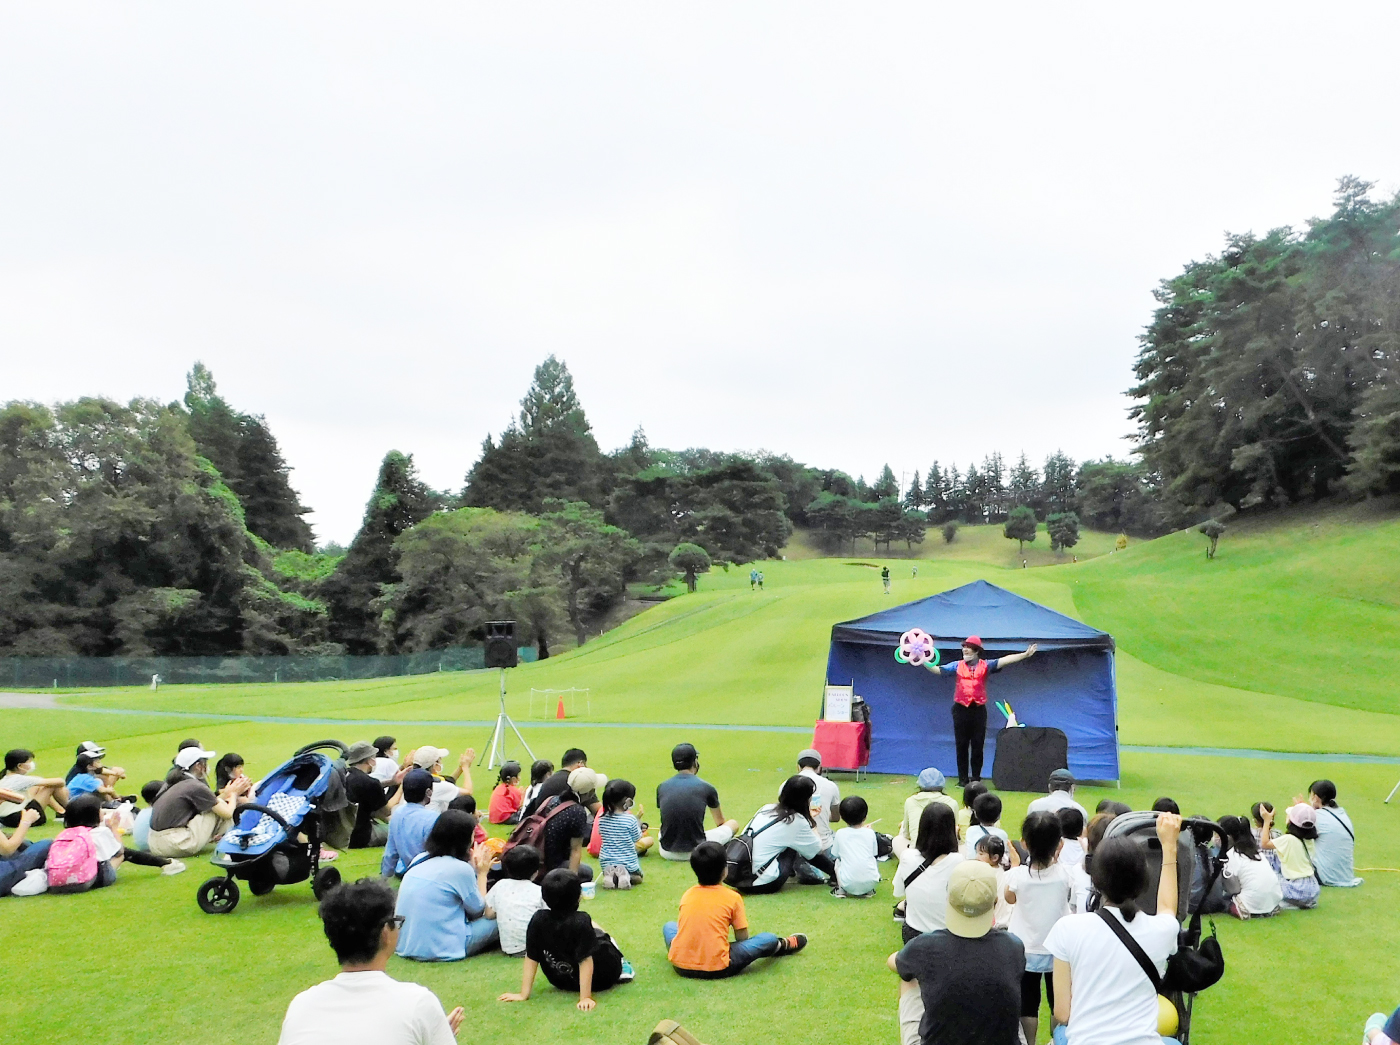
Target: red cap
<point x="973" y="640"/>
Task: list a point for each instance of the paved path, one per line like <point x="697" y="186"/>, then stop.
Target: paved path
<point x="45" y="701"/>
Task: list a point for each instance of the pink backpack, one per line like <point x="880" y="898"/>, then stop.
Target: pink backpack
<point x="72" y="858"/>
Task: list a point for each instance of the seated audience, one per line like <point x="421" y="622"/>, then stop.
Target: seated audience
<point x="575" y="954"/>
<point x="467" y="804"/>
<point x="18" y="855"/>
<point x="962" y="984"/>
<point x="27" y="790"/>
<point x="374" y="802"/>
<point x="141" y="826"/>
<point x="445" y="788"/>
<point x="1041" y="892"/>
<point x="826" y="798"/>
<point x="682" y="801"/>
<point x="187" y="816"/>
<point x="506" y="797"/>
<point x="556" y="783"/>
<point x="1102" y="995"/>
<point x="1061" y="795"/>
<point x="90" y="778"/>
<point x="986" y="820"/>
<point x="441" y="898"/>
<point x="1166" y="805"/>
<point x="409" y="824"/>
<point x="783" y="833"/>
<point x="1112" y="807"/>
<point x="970" y="795"/>
<point x="857" y="852"/>
<point x="564" y="833"/>
<point x="999" y="856"/>
<point x="924" y="869"/>
<point x="540" y="771"/>
<point x="86" y="853"/>
<point x="930" y="783"/>
<point x="514" y="899"/>
<point x="621" y="835"/>
<point x="698" y="944"/>
<point x="178" y="772"/>
<point x="363" y="1003"/>
<point x="386" y="760"/>
<point x="1336" y="837"/>
<point x="1381" y="1029"/>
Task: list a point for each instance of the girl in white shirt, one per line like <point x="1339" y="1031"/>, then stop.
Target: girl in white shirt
<point x="787" y="832"/>
<point x="1102" y="995"/>
<point x="1041" y="892"/>
<point x="1261" y="892"/>
<point x="924" y="869"/>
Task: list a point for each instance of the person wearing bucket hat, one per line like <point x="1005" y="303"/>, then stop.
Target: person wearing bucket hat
<point x="970" y="701"/>
<point x="373" y="801"/>
<point x="931" y="783"/>
<point x="962" y="984"/>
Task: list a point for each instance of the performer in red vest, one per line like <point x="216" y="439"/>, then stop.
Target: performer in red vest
<point x="970" y="701"/>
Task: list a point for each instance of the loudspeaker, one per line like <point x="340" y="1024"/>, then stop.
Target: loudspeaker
<point x="500" y="644"/>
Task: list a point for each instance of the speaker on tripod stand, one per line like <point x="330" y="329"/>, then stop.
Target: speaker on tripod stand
<point x="501" y="653"/>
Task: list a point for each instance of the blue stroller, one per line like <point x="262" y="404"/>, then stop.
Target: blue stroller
<point x="276" y="839"/>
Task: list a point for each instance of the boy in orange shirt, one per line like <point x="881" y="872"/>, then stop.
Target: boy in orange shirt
<point x="699" y="942"/>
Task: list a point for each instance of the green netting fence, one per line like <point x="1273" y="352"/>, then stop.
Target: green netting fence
<point x="79" y="672"/>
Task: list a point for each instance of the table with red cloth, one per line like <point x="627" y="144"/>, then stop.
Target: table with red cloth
<point x="843" y="745"/>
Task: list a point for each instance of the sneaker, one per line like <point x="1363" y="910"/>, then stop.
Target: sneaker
<point x="838" y="892"/>
<point x="628" y="973"/>
<point x="174" y="867"/>
<point x="792" y="944"/>
<point x="32" y="884"/>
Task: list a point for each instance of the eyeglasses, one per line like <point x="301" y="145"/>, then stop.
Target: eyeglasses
<point x="396" y="922"/>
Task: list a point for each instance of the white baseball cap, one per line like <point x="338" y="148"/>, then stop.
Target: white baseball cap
<point x="429" y="756"/>
<point x="186" y="757"/>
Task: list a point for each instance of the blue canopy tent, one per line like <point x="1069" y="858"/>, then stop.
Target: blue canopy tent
<point x="1069" y="684"/>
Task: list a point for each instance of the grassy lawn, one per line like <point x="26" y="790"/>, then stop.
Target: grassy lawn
<point x="728" y="655"/>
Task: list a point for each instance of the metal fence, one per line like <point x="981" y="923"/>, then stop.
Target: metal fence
<point x="77" y="672"/>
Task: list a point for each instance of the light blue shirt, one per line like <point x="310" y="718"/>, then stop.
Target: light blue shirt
<point x="1335" y="849"/>
<point x="437" y="898"/>
<point x="408" y="831"/>
<point x="83" y="784"/>
<point x="141" y="831"/>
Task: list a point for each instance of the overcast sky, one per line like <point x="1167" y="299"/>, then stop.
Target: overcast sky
<point x="850" y="233"/>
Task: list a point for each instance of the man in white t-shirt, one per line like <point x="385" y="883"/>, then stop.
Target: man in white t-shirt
<point x="1061" y="796"/>
<point x="445" y="788"/>
<point x="826" y="807"/>
<point x="364" y="1003"/>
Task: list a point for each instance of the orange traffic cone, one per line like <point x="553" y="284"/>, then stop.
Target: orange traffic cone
<point x="560" y="713"/>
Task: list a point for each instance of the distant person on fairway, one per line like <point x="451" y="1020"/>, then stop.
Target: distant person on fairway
<point x="970" y="699"/>
<point x="364" y="1003"/>
<point x="760" y="580"/>
<point x="753" y="578"/>
<point x="885" y="578"/>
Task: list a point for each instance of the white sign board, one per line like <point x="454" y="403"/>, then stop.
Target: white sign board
<point x="837" y="707"/>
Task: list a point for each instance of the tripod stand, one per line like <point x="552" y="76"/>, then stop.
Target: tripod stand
<point x="496" y="750"/>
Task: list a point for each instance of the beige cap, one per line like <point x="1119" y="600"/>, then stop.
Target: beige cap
<point x="972" y="899"/>
<point x="428" y="756"/>
<point x="583" y="780"/>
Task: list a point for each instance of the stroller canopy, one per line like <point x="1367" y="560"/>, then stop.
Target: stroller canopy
<point x="1070" y="685"/>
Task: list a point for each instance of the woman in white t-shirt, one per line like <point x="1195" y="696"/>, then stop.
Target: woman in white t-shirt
<point x="1102" y="995"/>
<point x="924" y="869"/>
<point x="1041" y="892"/>
<point x="782" y="832"/>
<point x="1260" y="892"/>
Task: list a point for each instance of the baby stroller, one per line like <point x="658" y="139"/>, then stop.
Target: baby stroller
<point x="276" y="839"/>
<point x="1198" y="963"/>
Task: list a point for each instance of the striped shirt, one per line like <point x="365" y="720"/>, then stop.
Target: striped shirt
<point x="620" y="833"/>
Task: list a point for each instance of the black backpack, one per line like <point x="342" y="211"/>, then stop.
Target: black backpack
<point x="738" y="857"/>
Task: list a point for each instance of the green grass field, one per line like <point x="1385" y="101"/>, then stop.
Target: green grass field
<point x="1226" y="654"/>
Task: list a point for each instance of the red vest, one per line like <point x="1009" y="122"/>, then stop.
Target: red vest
<point x="971" y="687"/>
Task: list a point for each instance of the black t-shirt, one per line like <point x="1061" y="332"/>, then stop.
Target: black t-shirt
<point x="560" y="942"/>
<point x="368" y="794"/>
<point x="682" y="801"/>
<point x="554" y="784"/>
<point x="559" y="833"/>
<point x="971" y="988"/>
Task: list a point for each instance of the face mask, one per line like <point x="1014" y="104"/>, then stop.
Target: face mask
<point x="27" y="769"/>
<point x="394" y="755"/>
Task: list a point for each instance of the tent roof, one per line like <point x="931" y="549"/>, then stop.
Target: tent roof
<point x="1003" y="619"/>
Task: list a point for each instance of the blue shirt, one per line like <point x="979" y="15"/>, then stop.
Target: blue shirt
<point x="83" y="784"/>
<point x="437" y="897"/>
<point x="408" y="831"/>
<point x="1334" y="851"/>
<point x="141" y="831"/>
<point x="951" y="668"/>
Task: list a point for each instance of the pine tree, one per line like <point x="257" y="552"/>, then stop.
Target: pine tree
<point x="886" y="486"/>
<point x="400" y="499"/>
<point x="914" y="499"/>
<point x="1024" y="482"/>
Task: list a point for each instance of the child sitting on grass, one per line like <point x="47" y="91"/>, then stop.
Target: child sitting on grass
<point x="970" y="795"/>
<point x="994" y="851"/>
<point x="698" y="944"/>
<point x="986" y="820"/>
<point x="575" y="954"/>
<point x="621" y="837"/>
<point x="1300" y="885"/>
<point x="514" y="899"/>
<point x="1260" y="887"/>
<point x="506" y="797"/>
<point x="1041" y="893"/>
<point x="539" y="773"/>
<point x="857" y="852"/>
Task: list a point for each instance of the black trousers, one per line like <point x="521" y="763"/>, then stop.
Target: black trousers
<point x="787" y="867"/>
<point x="970" y="737"/>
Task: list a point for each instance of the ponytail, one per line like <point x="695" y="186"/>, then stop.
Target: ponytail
<point x="509" y="770"/>
<point x="1128" y="909"/>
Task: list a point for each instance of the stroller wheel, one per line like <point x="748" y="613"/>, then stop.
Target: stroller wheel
<point x="218" y="896"/>
<point x="327" y="878"/>
<point x="261" y="886"/>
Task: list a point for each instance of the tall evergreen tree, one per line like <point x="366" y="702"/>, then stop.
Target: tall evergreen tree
<point x="914" y="498"/>
<point x="886" y="486"/>
<point x="1024" y="482"/>
<point x="1058" y="490"/>
<point x="243" y="449"/>
<point x="400" y="499"/>
<point x="550" y="453"/>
